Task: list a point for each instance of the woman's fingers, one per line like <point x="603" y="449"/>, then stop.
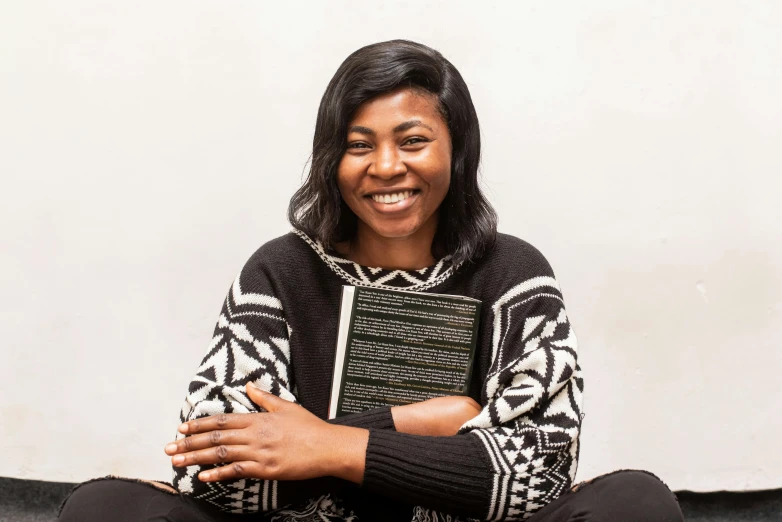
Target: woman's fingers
<point x="267" y="401"/>
<point x="216" y="455"/>
<point x="206" y="440"/>
<point x="232" y="471"/>
<point x="215" y="422"/>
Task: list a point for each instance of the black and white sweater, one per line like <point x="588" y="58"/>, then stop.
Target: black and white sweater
<point x="278" y="328"/>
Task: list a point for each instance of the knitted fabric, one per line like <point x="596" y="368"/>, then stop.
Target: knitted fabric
<point x="278" y="328"/>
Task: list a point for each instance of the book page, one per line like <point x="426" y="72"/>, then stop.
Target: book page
<point x="406" y="347"/>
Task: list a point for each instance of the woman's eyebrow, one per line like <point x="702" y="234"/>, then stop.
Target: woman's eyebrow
<point x="407" y="125"/>
<point x="361" y="130"/>
<point x="410" y="124"/>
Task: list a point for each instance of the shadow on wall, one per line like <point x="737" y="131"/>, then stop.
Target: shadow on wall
<point x="38" y="501"/>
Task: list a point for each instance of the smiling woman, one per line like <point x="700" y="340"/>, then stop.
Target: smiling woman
<point x="391" y="201"/>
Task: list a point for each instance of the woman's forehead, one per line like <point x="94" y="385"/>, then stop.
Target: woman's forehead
<point x="394" y="107"/>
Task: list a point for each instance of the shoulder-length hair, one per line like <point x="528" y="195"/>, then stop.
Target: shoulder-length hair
<point x="467" y="224"/>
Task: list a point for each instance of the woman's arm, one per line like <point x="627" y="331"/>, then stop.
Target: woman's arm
<point x="287" y="442"/>
<point x="250" y="345"/>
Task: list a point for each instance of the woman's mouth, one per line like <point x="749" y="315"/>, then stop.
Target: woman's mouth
<point x="393" y="201"/>
<point x="392" y="198"/>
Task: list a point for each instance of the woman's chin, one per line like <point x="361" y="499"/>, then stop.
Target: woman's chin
<point x="395" y="231"/>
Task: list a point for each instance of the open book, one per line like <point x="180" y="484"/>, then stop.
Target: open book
<point x="397" y="347"/>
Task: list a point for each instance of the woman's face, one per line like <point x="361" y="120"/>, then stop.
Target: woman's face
<point x="397" y="167"/>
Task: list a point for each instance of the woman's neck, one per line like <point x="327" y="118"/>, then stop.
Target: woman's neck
<point x="408" y="253"/>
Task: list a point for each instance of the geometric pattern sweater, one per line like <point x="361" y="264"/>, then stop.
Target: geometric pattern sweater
<point x="278" y="328"/>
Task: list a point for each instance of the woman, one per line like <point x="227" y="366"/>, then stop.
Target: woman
<point x="392" y="201"/>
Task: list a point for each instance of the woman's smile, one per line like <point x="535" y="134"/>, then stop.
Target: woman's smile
<point x="394" y="201"/>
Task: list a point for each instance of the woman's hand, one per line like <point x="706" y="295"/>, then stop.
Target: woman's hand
<point x="286" y="442"/>
<point x="441" y="416"/>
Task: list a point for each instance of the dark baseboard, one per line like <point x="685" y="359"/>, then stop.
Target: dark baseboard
<point x="37" y="501"/>
<point x="732" y="506"/>
<point x="31" y="500"/>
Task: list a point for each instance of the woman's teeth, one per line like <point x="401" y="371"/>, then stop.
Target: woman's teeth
<point x="392" y="198"/>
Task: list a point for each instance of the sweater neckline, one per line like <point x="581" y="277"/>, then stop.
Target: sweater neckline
<point x="383" y="278"/>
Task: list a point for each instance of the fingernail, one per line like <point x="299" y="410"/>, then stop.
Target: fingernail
<point x="170" y="448"/>
<point x="178" y="459"/>
<point x="204" y="475"/>
<point x="253" y="385"/>
<point x="183" y="428"/>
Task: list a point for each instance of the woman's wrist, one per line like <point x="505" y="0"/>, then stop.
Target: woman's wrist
<point x="439" y="417"/>
<point x="406" y="420"/>
<point x="345" y="454"/>
<point x="419" y="419"/>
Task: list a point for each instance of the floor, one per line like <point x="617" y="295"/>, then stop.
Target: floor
<point x="36" y="501"/>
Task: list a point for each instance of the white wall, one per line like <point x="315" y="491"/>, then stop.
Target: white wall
<point x="147" y="148"/>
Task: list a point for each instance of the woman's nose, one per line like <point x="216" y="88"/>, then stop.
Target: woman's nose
<point x="387" y="163"/>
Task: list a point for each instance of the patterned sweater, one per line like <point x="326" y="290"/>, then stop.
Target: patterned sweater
<point x="278" y="328"/>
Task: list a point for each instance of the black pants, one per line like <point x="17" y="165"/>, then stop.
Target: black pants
<point x="626" y="496"/>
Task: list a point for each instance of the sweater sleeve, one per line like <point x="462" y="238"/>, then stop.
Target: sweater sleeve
<point x="250" y="343"/>
<point x="521" y="451"/>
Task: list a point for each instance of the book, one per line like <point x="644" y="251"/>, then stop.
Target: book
<point x="396" y="347"/>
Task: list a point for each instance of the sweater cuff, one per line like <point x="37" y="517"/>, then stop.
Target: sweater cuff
<point x="379" y="418"/>
<point x="448" y="474"/>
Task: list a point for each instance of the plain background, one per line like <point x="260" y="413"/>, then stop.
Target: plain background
<point x="147" y="148"/>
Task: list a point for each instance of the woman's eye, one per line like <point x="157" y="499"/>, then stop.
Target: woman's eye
<point x="415" y="140"/>
<point x="358" y="145"/>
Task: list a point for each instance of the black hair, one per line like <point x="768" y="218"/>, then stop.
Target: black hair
<point x="467" y="224"/>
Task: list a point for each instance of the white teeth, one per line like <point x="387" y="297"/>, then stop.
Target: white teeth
<point x="392" y="198"/>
